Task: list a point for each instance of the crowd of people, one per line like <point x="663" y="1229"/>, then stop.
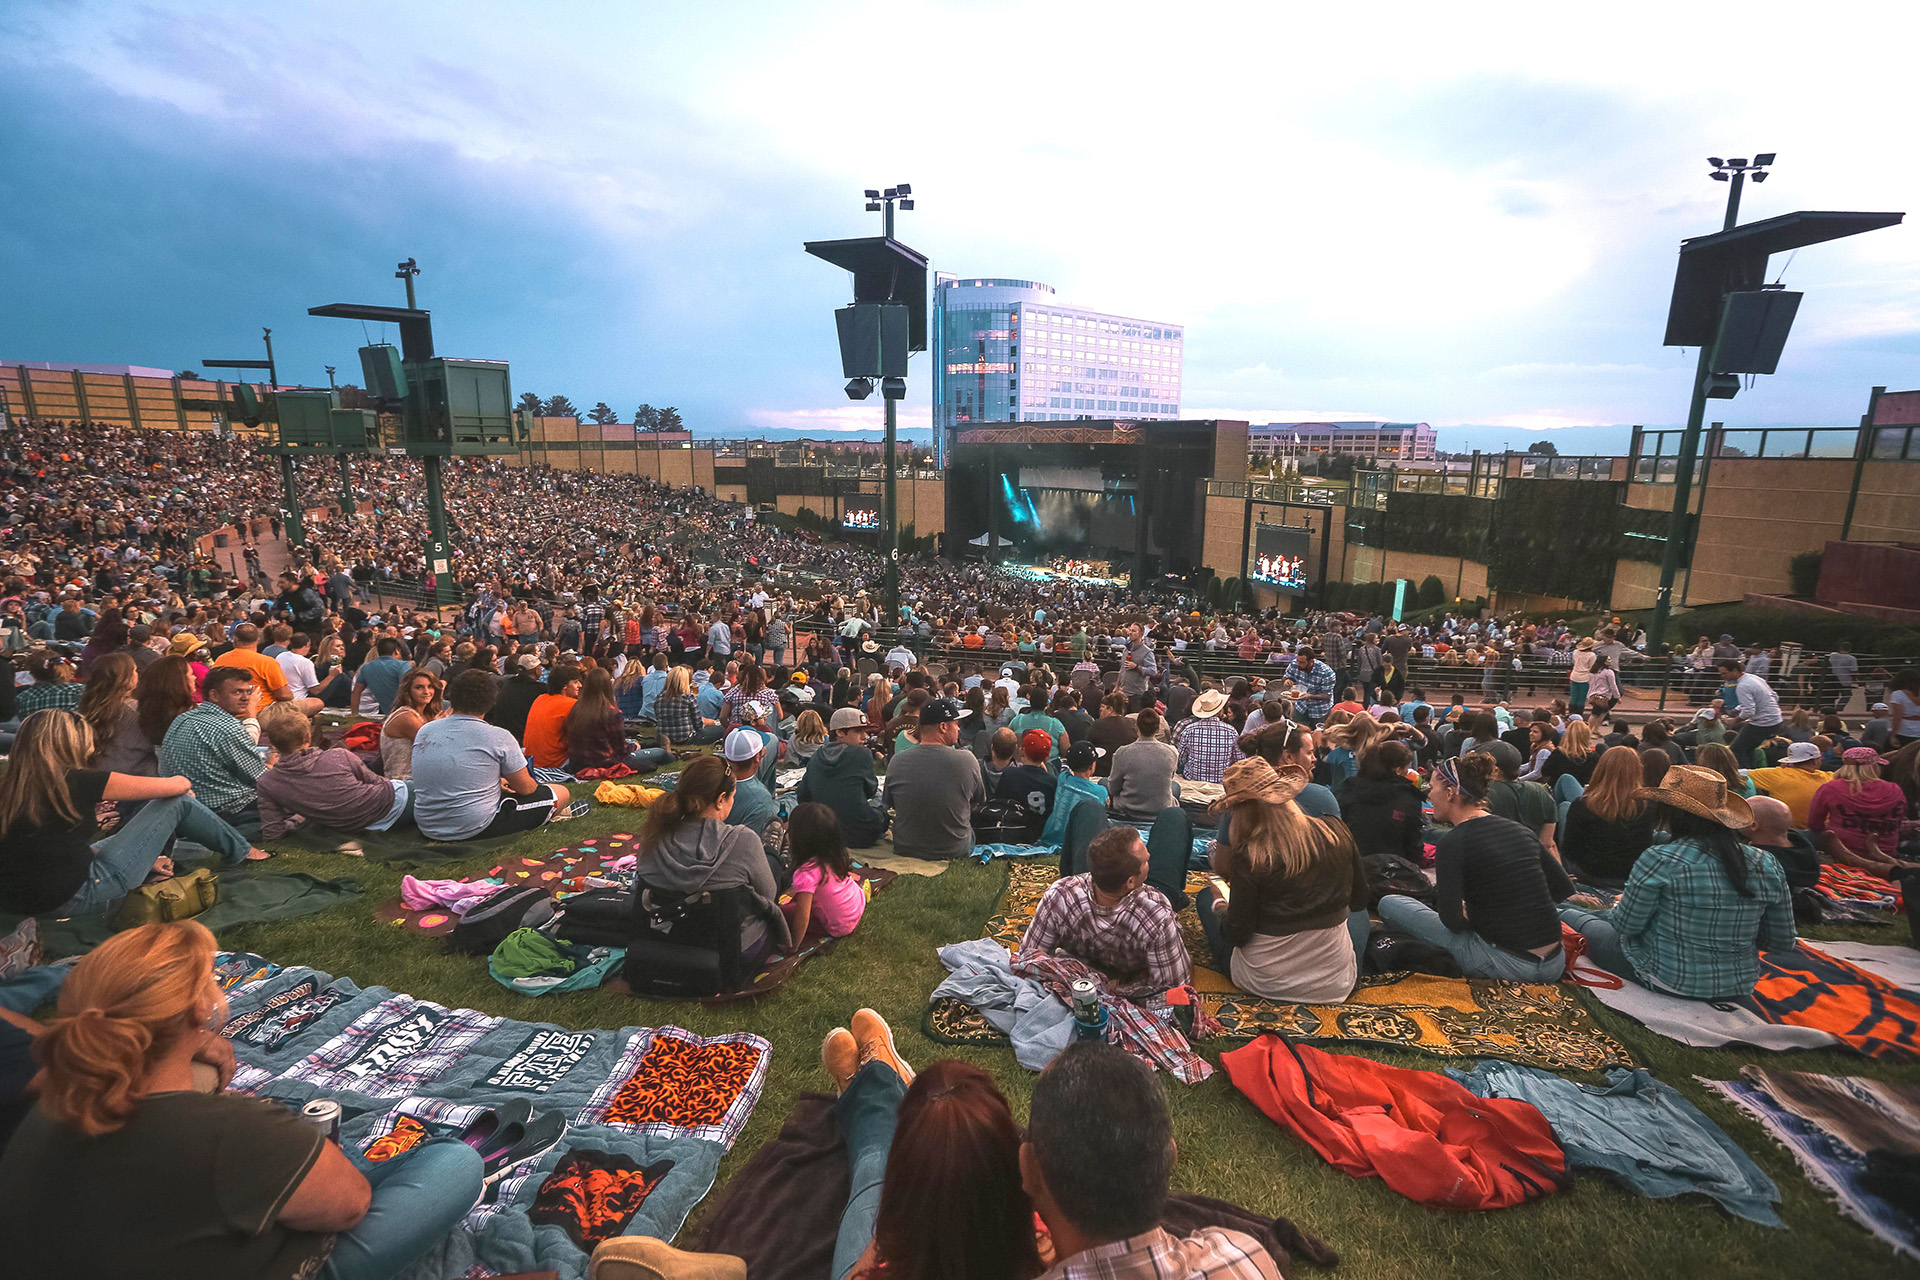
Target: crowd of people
<point x="607" y="627"/>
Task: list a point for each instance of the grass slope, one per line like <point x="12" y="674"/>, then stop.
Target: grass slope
<point x="1227" y="1148"/>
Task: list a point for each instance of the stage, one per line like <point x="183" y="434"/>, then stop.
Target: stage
<point x="1046" y="573"/>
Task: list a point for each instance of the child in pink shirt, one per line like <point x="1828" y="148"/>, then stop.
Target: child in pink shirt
<point x="828" y="899"/>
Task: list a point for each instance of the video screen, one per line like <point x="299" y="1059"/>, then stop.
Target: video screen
<point x="864" y="520"/>
<point x="1280" y="556"/>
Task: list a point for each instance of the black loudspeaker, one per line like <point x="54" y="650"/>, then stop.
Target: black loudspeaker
<point x="874" y="340"/>
<point x="1753" y="330"/>
<point x="380" y="366"/>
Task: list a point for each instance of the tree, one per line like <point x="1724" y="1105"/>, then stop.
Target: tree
<point x="1432" y="592"/>
<point x="1546" y="447"/>
<point x="601" y="415"/>
<point x="559" y="407"/>
<point x="354" y="397"/>
<point x="670" y="419"/>
<point x="530" y="404"/>
<point x="646" y="418"/>
<point x="191" y="375"/>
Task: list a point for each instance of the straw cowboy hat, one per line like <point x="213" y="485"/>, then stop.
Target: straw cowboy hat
<point x="1703" y="793"/>
<point x="1586" y="642"/>
<point x="1255" y="779"/>
<point x="1209" y="704"/>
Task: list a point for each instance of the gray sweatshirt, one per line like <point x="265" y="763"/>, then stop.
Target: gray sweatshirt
<point x="1141" y="783"/>
<point x="703" y="854"/>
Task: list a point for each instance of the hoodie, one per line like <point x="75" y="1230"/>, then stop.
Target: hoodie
<point x="1385" y="816"/>
<point x="702" y="854"/>
<point x="1070" y="793"/>
<point x="841" y="777"/>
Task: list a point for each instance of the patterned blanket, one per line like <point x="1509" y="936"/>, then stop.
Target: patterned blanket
<point x="1854" y="1138"/>
<point x="1536" y="1024"/>
<point x="1831" y="994"/>
<point x="651" y="1111"/>
<point x="1850" y="884"/>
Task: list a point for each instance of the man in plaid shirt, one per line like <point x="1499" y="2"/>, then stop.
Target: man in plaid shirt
<point x="53" y="686"/>
<point x="1207" y="743"/>
<point x="1314" y="679"/>
<point x="209" y="747"/>
<point x="1108" y="918"/>
<point x="1101" y="1187"/>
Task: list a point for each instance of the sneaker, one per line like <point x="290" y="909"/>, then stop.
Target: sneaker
<point x="513" y="1113"/>
<point x="518" y="1144"/>
<point x="875" y="1040"/>
<point x="644" y="1258"/>
<point x="840" y="1058"/>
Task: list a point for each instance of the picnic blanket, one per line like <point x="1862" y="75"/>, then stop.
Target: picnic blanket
<point x="1540" y="1024"/>
<point x="590" y="864"/>
<point x="1850" y="884"/>
<point x="651" y="1110"/>
<point x="249" y="894"/>
<point x="781" y="1212"/>
<point x="1852" y="1137"/>
<point x="1848" y="995"/>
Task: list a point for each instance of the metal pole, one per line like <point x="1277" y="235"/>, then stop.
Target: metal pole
<point x="890" y="591"/>
<point x="273" y="377"/>
<point x="290" y="484"/>
<point x="1683" y="468"/>
<point x="1862" y="450"/>
<point x="346" y="487"/>
<point x="438" y="561"/>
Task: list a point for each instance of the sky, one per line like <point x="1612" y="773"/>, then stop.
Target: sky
<point x="1465" y="215"/>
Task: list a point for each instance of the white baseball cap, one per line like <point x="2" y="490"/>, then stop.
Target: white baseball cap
<point x="1800" y="753"/>
<point x="743" y="745"/>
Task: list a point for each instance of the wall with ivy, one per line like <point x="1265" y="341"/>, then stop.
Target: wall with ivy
<point x="1556" y="538"/>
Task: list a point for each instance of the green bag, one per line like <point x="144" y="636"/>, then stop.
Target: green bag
<point x="180" y="898"/>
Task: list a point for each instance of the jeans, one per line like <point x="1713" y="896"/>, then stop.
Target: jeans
<point x="868" y="1112"/>
<point x="1603" y="944"/>
<point x="245" y="820"/>
<point x="1214" y="925"/>
<point x="1577" y="695"/>
<point x="1477" y="957"/>
<point x="121" y="861"/>
<point x="1750" y="737"/>
<point x="418" y="1198"/>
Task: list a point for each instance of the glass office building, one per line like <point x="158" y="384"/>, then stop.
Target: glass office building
<point x="1010" y="351"/>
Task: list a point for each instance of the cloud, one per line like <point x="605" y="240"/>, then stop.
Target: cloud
<point x="840" y="418"/>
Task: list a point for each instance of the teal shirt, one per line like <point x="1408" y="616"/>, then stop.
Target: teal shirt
<point x="1685" y="927"/>
<point x="1028" y="720"/>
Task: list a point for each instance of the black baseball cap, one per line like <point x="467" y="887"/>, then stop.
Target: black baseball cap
<point x="1081" y="755"/>
<point x="942" y="711"/>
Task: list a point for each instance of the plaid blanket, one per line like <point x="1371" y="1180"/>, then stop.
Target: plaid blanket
<point x="652" y="1110"/>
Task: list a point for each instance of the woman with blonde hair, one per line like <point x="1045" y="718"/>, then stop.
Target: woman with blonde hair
<point x="1609" y="825"/>
<point x="809" y="735"/>
<point x="1573" y="755"/>
<point x="250" y="1189"/>
<point x="1855" y="816"/>
<point x="1291" y="920"/>
<point x="49" y="863"/>
<point x="1347" y="741"/>
<point x="1719" y="757"/>
<point x="113" y="714"/>
<point x="417" y="702"/>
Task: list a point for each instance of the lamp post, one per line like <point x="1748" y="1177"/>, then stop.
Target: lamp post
<point x="1723" y="305"/>
<point x="289" y="479"/>
<point x="891" y="391"/>
<point x="1734" y="173"/>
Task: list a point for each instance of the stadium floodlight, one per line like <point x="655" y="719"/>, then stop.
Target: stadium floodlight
<point x="905" y="188"/>
<point x="1762" y="160"/>
<point x="1719" y="175"/>
<point x="1715" y="161"/>
<point x="872" y="193"/>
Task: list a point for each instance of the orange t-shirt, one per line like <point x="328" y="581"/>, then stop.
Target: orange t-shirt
<point x="266" y="672"/>
<point x="546" y="738"/>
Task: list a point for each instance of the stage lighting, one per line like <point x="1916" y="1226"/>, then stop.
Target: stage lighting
<point x="859" y="388"/>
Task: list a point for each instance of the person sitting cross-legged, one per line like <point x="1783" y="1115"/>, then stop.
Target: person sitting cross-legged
<point x="1099" y="1182"/>
<point x="1109" y="918"/>
<point x="331" y="788"/>
<point x="470" y="778"/>
<point x="840" y="775"/>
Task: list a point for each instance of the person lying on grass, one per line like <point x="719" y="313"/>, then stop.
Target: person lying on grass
<point x="331" y="788"/>
<point x="828" y="899"/>
<point x="51" y="862"/>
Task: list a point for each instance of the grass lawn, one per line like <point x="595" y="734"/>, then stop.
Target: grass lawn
<point x="1227" y="1148"/>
